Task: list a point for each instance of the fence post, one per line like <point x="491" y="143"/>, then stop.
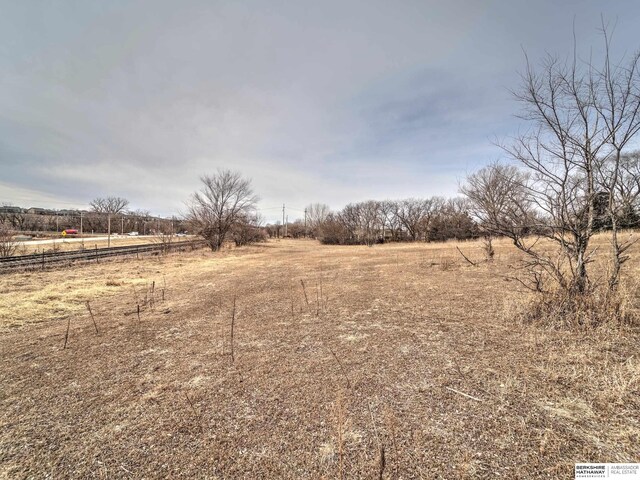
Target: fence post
<point x="96" y="245"/>
<point x="43" y="258"/>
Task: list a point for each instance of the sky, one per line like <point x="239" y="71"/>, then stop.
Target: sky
<point x="332" y="101"/>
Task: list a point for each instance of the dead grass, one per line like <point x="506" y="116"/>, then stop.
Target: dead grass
<point x="400" y="349"/>
<point x="569" y="311"/>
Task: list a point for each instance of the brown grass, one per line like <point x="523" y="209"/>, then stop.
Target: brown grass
<point x="564" y="310"/>
<point x="403" y="361"/>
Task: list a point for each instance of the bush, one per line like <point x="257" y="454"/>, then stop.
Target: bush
<point x="560" y="310"/>
<point x="245" y="233"/>
<point x="8" y="245"/>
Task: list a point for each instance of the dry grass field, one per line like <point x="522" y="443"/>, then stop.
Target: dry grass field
<point x="396" y="361"/>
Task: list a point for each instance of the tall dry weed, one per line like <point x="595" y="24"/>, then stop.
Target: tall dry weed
<point x="564" y="310"/>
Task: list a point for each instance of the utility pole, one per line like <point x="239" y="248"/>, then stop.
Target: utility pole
<point x="108" y="230"/>
<point x="81" y="235"/>
<point x="305" y="223"/>
<point x="283" y="224"/>
<point x="57" y="227"/>
<point x="122" y="225"/>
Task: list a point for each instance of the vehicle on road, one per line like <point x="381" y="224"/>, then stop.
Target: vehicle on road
<point x="133" y="234"/>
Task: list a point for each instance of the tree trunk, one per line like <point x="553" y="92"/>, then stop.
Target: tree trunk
<point x="580" y="277"/>
<point x="616" y="251"/>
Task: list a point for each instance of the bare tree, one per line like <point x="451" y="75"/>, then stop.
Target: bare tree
<point x="415" y="216"/>
<point x="224" y="200"/>
<point x="452" y="220"/>
<point x="18" y="220"/>
<point x="297" y="229"/>
<point x="277" y="229"/>
<point x="8" y="245"/>
<point x="499" y="201"/>
<point x="388" y="220"/>
<point x="334" y="230"/>
<point x="349" y="218"/>
<point x="617" y="103"/>
<point x="248" y="229"/>
<point x="427" y="219"/>
<point x="136" y="220"/>
<point x="109" y="205"/>
<point x="165" y="240"/>
<point x="433" y="208"/>
<point x="316" y="215"/>
<point x="627" y="191"/>
<point x="370" y="221"/>
<point x="582" y="118"/>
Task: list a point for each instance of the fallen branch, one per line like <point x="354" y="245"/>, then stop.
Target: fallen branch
<point x="464" y="394"/>
<point x="346" y="377"/>
<point x="475" y="264"/>
<point x="195" y="412"/>
<point x="66" y="335"/>
<point x="92" y="318"/>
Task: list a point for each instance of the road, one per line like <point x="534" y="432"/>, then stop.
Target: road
<point x="76" y="239"/>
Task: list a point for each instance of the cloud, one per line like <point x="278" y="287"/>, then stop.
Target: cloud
<point x="315" y="101"/>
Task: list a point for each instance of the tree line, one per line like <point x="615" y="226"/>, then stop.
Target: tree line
<point x="225" y="209"/>
<point x="413" y="219"/>
<point x="497" y="202"/>
<point x="106" y="214"/>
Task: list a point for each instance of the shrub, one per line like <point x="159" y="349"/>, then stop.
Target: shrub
<point x="8" y="245"/>
<point x="562" y="310"/>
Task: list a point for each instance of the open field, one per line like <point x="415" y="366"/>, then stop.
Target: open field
<point x="397" y="361"/>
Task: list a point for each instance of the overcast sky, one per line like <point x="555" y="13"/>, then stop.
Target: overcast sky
<point x="316" y="101"/>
